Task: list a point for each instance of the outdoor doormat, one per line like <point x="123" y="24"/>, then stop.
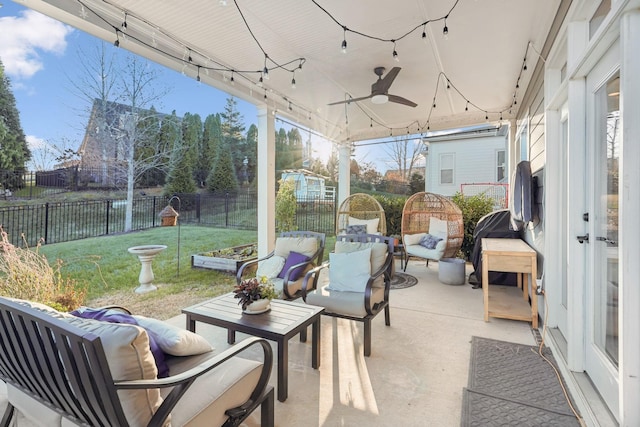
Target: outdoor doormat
<point x="511" y="385"/>
<point x="402" y="280"/>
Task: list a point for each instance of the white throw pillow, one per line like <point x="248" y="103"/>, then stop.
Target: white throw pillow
<point x="270" y="267"/>
<point x="378" y="251"/>
<point x="349" y="271"/>
<point x="438" y="228"/>
<point x="303" y="245"/>
<point x="173" y="340"/>
<point x="372" y="224"/>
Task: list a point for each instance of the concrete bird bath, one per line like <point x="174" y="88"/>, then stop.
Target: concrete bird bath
<point x="145" y="254"/>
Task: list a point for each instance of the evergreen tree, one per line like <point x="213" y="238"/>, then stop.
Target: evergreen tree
<point x="180" y="179"/>
<point x="146" y="149"/>
<point x="211" y="140"/>
<point x="283" y="157"/>
<point x="295" y="148"/>
<point x="14" y="151"/>
<point x="192" y="138"/>
<point x="251" y="152"/>
<point x="233" y="132"/>
<point x="223" y="174"/>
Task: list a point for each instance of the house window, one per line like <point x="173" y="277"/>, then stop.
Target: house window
<point x="523" y="142"/>
<point x="446" y="168"/>
<point x="501" y="163"/>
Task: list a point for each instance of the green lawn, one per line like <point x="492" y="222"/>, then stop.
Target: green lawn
<point x="104" y="265"/>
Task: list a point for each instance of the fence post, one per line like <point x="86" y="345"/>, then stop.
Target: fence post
<point x="153" y="213"/>
<point x="226" y="209"/>
<point x="46" y="222"/>
<point x="107" y="213"/>
<point x="198" y="206"/>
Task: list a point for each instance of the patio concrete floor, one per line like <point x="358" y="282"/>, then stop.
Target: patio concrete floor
<point x="417" y="369"/>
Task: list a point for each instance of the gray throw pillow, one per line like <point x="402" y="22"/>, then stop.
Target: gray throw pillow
<point x="429" y="241"/>
<point x="356" y="229"/>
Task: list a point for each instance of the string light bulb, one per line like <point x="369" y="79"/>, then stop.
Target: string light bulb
<point x="265" y="70"/>
<point x="445" y="30"/>
<point x="233" y="81"/>
<point x="124" y="22"/>
<point x="260" y="82"/>
<point x="300" y="67"/>
<point x="424" y="33"/>
<point x="395" y="53"/>
<point x="466" y="107"/>
<point x="117" y="42"/>
<point x="344" y="40"/>
<point x="198" y="76"/>
<point x="293" y="82"/>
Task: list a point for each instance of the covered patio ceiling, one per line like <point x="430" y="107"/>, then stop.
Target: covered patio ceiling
<point x="478" y="72"/>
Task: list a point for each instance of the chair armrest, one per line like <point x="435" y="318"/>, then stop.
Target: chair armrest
<point x="383" y="270"/>
<point x="248" y="264"/>
<point x="285" y="281"/>
<point x="184" y="380"/>
<point x="310" y="279"/>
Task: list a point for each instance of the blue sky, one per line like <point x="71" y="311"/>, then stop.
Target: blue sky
<point x="40" y="56"/>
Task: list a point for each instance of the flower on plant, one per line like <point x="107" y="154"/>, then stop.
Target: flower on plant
<point x="253" y="289"/>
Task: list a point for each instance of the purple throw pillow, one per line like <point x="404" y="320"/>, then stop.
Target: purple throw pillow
<point x="293" y="259"/>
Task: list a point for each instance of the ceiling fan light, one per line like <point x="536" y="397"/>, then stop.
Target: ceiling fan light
<point x="379" y="99"/>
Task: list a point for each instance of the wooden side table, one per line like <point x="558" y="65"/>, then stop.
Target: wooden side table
<point x="512" y="256"/>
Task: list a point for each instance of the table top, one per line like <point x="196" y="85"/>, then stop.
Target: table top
<point x="506" y="246"/>
<point x="283" y="318"/>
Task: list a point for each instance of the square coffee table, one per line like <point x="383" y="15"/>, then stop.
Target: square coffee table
<point x="284" y="320"/>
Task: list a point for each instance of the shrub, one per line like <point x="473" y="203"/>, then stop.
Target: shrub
<point x="393" y="212"/>
<point x="286" y="205"/>
<point x="26" y="274"/>
<point x="473" y="208"/>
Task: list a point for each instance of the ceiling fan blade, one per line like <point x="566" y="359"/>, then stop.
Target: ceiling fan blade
<point x="401" y="100"/>
<point x="383" y="85"/>
<point x="346" y="101"/>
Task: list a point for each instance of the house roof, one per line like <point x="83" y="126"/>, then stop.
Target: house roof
<point x="473" y="75"/>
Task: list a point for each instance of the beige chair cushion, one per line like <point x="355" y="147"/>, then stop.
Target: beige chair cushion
<point x="270" y="267"/>
<point x="224" y="387"/>
<point x="127" y="350"/>
<point x="378" y="251"/>
<point x="438" y="228"/>
<point x="413" y="239"/>
<point x="372" y="224"/>
<point x="347" y="303"/>
<point x="304" y="245"/>
<point x="422" y="252"/>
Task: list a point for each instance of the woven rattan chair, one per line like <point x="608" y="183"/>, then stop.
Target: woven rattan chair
<point x="361" y="207"/>
<point x="417" y="213"/>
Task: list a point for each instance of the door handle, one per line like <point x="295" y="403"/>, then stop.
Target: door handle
<point x="608" y="241"/>
<point x="583" y="239"/>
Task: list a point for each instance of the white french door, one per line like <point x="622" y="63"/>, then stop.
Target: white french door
<point x="603" y="159"/>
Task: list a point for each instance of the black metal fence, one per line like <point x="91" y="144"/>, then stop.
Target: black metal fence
<point x="56" y="222"/>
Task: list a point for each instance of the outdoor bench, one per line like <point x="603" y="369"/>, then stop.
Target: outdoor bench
<point x="60" y="369"/>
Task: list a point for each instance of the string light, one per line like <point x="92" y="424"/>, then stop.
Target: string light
<point x="293" y="81"/>
<point x="343" y="47"/>
<point x="445" y="30"/>
<point x="395" y="53"/>
<point x="233" y="81"/>
<point x="198" y="76"/>
<point x="260" y="82"/>
<point x="117" y="42"/>
<point x="265" y="70"/>
<point x="424" y="33"/>
<point x="124" y="23"/>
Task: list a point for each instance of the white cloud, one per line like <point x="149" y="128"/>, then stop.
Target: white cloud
<point x="36" y="143"/>
<point x="24" y="37"/>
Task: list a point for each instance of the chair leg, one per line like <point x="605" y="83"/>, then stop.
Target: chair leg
<point x="267" y="412"/>
<point x="387" y="315"/>
<point x="367" y="337"/>
<point x="8" y="415"/>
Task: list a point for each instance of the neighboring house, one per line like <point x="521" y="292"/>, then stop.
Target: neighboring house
<point x="466" y="157"/>
<point x="397" y="175"/>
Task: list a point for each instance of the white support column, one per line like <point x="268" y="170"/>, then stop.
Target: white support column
<point x="344" y="172"/>
<point x="629" y="205"/>
<point x="266" y="181"/>
<point x="578" y="37"/>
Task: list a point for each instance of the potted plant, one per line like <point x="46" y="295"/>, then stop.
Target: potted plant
<point x="255" y="294"/>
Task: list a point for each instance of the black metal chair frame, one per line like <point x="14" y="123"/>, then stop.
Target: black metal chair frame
<point x="311" y="278"/>
<point x="66" y="369"/>
<point x="315" y="260"/>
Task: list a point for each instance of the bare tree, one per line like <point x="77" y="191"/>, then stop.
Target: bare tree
<point x="121" y="90"/>
<point x="404" y="153"/>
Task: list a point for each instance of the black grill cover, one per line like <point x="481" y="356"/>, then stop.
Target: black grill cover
<point x="494" y="225"/>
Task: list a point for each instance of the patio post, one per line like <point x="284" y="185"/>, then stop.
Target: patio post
<point x="344" y="172"/>
<point x="266" y="180"/>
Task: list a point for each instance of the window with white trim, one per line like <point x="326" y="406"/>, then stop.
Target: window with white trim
<point x="501" y="165"/>
<point x="446" y="168"/>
